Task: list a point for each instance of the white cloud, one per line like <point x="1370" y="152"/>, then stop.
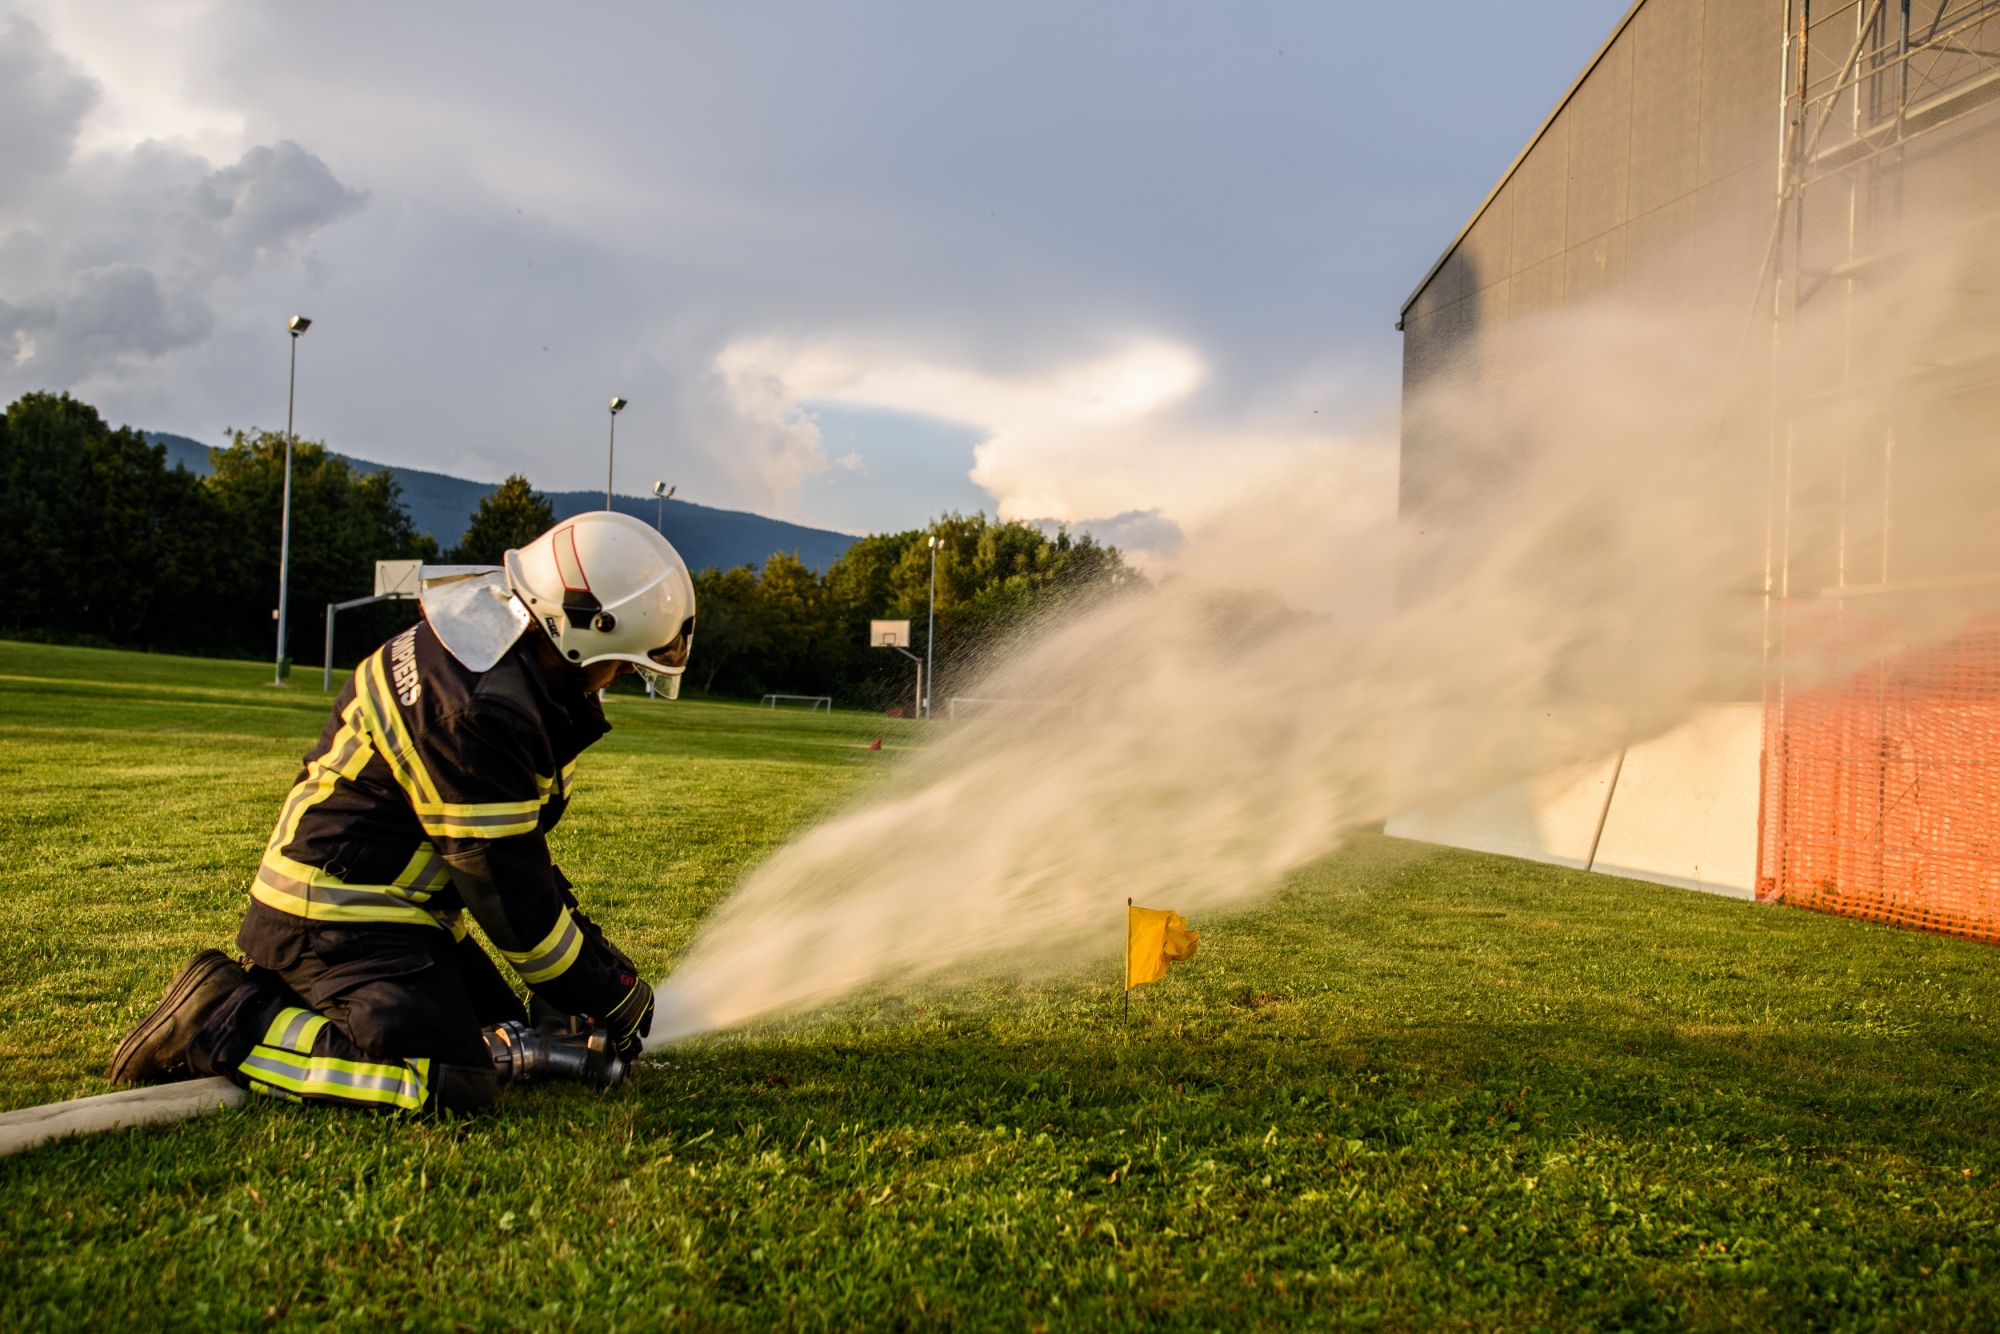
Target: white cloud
<point x="111" y="256"/>
<point x="777" y="441"/>
<point x="144" y="64"/>
<point x="1125" y="286"/>
<point x="43" y="100"/>
<point x="1117" y="434"/>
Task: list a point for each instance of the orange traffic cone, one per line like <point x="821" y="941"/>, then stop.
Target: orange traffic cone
<point x="876" y="744"/>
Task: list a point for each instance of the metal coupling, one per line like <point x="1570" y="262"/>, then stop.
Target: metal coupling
<point x="524" y="1055"/>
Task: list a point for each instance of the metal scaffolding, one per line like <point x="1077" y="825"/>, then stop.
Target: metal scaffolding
<point x="1864" y="83"/>
<point x="1879" y="792"/>
<point x="1865" y="77"/>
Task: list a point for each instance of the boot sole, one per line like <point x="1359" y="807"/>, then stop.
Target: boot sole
<point x="129" y="1057"/>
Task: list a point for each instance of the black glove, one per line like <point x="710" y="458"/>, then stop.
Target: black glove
<point x="631" y="1019"/>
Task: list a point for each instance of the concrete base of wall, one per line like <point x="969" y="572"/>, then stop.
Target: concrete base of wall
<point x="1679" y="809"/>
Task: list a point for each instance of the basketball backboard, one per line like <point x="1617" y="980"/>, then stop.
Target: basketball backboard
<point x="396" y="578"/>
<point x="888" y="634"/>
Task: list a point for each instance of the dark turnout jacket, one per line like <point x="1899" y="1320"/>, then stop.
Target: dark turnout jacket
<point x="430" y="794"/>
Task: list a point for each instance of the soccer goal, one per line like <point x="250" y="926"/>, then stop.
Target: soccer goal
<point x="395" y="581"/>
<point x="813" y="703"/>
<point x="960" y="707"/>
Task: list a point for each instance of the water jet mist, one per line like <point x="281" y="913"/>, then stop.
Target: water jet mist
<point x="1596" y="565"/>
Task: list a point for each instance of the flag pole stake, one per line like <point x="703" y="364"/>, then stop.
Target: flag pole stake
<point x="1125" y="999"/>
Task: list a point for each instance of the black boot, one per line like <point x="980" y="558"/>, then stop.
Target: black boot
<point x="156" y="1051"/>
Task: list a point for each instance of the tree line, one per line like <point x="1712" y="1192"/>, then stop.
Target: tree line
<point x="786" y="629"/>
<point x="108" y="545"/>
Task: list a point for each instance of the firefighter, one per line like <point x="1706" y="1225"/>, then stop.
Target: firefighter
<point x="429" y="797"/>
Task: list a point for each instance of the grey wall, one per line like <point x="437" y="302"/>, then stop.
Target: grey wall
<point x="1659" y="175"/>
<point x="1672" y="135"/>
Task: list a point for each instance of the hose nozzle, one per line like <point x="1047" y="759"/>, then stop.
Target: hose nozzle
<point x="524" y="1055"/>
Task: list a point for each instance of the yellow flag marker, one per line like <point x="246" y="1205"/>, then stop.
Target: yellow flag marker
<point x="1154" y="938"/>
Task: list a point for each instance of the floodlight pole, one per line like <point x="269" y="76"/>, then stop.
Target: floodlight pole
<point x="611" y="450"/>
<point x="663" y="493"/>
<point x="298" y="325"/>
<point x="930" y="634"/>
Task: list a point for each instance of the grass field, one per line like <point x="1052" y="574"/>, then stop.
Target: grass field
<point x="1414" y="1090"/>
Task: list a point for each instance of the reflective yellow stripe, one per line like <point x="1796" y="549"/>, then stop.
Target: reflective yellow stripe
<point x="371" y="725"/>
<point x="560" y="785"/>
<point x="345" y="757"/>
<point x="366" y="1083"/>
<point x="307" y="891"/>
<point x="391" y="737"/>
<point x="498" y="819"/>
<point x="283" y="1063"/>
<point x="440" y="818"/>
<point x="552" y="954"/>
<point x="424" y="876"/>
<point x="294" y="1030"/>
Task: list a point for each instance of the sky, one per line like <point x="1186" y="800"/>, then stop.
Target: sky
<point x="853" y="265"/>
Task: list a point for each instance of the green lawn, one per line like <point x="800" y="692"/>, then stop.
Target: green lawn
<point x="1415" y="1090"/>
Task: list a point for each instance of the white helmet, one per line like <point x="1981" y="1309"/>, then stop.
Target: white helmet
<point x="606" y="585"/>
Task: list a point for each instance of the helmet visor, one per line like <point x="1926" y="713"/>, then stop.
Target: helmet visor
<point x="673" y="655"/>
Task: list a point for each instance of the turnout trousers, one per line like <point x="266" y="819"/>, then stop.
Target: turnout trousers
<point x="359" y="1015"/>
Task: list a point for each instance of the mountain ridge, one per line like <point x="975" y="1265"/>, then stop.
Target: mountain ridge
<point x="442" y="505"/>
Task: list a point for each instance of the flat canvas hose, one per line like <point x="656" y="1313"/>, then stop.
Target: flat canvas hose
<point x="157" y="1105"/>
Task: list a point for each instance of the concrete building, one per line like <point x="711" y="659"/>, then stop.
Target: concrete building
<point x="1794" y="162"/>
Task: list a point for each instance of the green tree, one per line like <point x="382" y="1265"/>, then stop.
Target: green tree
<point x="729" y="631"/>
<point x="805" y="649"/>
<point x="101" y="539"/>
<point x="343" y="521"/>
<point x="995" y="580"/>
<point x="785" y="628"/>
<point x="512" y="515"/>
<point x="104" y="542"/>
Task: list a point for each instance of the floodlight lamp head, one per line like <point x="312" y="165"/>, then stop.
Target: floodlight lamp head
<point x="617" y="405"/>
<point x="660" y="490"/>
<point x="298" y="324"/>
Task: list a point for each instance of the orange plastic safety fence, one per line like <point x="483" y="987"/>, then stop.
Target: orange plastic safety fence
<point x="1882" y="791"/>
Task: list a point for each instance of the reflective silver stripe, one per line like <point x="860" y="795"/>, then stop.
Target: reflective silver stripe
<point x="369" y="1082"/>
<point x="398" y="747"/>
<point x="340" y="759"/>
<point x="550" y="959"/>
<point x="429" y="876"/>
<point x="307" y="788"/>
<point x="269" y="1064"/>
<point x="520" y="812"/>
<point x="306" y="891"/>
<point x="289" y="1040"/>
<point x="339" y="896"/>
